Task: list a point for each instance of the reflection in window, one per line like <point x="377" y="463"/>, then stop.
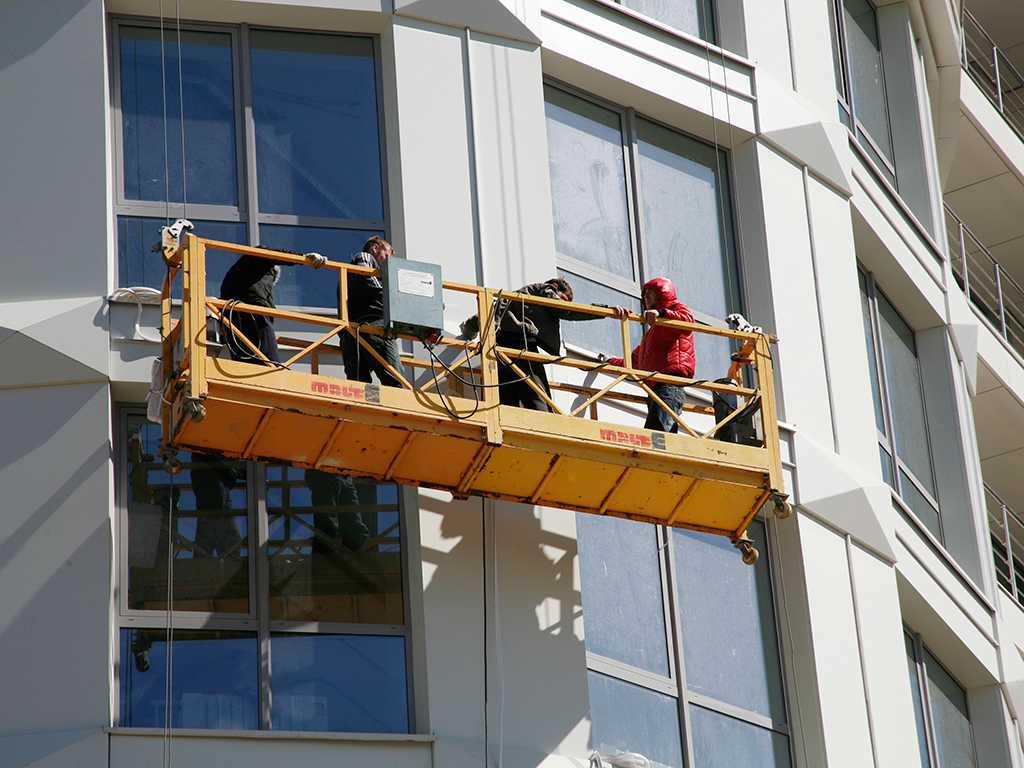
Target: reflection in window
<point x="214" y="679"/>
<point x="320" y="683"/>
<point x="197" y="518"/>
<point x="300" y="568"/>
<point x="334" y="547"/>
<point x="317" y="158"/>
<point x="682" y="230"/>
<point x="647" y="677"/>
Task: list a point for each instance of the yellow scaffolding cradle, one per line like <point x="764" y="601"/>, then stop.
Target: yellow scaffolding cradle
<point x="428" y="434"/>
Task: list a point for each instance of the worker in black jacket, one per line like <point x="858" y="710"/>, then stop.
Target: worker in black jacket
<point x="529" y="327"/>
<point x="251" y="280"/>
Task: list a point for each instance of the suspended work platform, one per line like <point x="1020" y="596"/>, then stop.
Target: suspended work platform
<point x="445" y="427"/>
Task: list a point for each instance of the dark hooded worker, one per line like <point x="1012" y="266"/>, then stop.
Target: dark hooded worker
<point x="251" y="280"/>
<point x="531" y="327"/>
<point x="663" y="350"/>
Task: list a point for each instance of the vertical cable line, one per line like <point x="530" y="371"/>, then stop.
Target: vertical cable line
<point x="730" y="272"/>
<point x="168" y="615"/>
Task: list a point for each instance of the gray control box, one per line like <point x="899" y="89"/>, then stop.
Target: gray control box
<point x="412" y="297"/>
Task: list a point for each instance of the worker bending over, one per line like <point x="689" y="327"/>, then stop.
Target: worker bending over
<point x="527" y="327"/>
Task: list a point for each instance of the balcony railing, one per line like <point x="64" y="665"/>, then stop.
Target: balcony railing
<point x="1006" y="529"/>
<point x="986" y="283"/>
<point x="993" y="73"/>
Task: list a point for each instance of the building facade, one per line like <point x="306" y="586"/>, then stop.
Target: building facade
<point x="847" y="174"/>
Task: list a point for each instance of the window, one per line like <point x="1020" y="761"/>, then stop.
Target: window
<point x="899" y="405"/>
<point x="695" y="17"/>
<point x="940" y="709"/>
<point x="273" y="595"/>
<point x="860" y="81"/>
<point x="633" y="200"/>
<point x="280" y="147"/>
<point x="663" y="647"/>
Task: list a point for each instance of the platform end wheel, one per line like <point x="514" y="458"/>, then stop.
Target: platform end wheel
<point x="783" y="508"/>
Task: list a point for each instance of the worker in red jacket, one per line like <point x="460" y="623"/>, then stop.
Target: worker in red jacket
<point x="664" y="350"/>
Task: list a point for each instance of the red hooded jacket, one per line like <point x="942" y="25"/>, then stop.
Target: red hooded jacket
<point x="665" y="350"/>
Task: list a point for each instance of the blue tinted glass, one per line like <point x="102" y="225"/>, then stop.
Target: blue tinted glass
<point x="317" y="141"/>
<point x="305" y="287"/>
<point x="211" y="545"/>
<point x="623" y="613"/>
<point x="628" y="718"/>
<point x="137" y="264"/>
<point x="728" y="623"/>
<point x="204" y="93"/>
<point x="214" y="676"/>
<point x="349" y="683"/>
<point x="725" y="742"/>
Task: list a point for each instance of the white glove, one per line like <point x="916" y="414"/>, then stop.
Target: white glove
<point x="316" y="259"/>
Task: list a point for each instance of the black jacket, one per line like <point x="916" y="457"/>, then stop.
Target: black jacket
<point x="251" y="279"/>
<point x="520" y="322"/>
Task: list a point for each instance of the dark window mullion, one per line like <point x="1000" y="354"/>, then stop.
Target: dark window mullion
<point x="250" y="197"/>
<point x="260" y="573"/>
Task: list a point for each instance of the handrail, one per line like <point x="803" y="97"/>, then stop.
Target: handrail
<point x="993" y="72"/>
<point x="985" y="282"/>
<point x="1007" y="530"/>
<point x="190" y="329"/>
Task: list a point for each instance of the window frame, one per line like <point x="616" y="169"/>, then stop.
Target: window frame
<point x="257" y="620"/>
<point x="247" y="212"/>
<point x="630" y="144"/>
<point x="675" y="684"/>
<point x="925" y="702"/>
<point x="846" y="99"/>
<point x="896" y="466"/>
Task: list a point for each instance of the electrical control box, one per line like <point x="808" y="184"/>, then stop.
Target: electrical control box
<point x="412" y="297"/>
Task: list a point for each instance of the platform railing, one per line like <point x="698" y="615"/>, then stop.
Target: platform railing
<point x="475" y="362"/>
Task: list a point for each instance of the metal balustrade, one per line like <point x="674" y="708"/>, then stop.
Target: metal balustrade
<point x="993" y="73"/>
<point x="1006" y="530"/>
<point x="987" y="284"/>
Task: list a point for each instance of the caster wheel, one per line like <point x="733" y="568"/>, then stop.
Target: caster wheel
<point x="783" y="508"/>
<point x="750" y="554"/>
<point x="196" y="410"/>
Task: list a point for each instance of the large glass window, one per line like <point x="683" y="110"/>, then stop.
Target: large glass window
<point x="280" y="147"/>
<point x="695" y="17"/>
<point x="943" y="720"/>
<point x="633" y="200"/>
<point x="899" y="405"/>
<point x="860" y="79"/>
<point x="258" y="596"/>
<point x="681" y="646"/>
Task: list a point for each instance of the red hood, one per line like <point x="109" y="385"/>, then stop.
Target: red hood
<point x="665" y="290"/>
